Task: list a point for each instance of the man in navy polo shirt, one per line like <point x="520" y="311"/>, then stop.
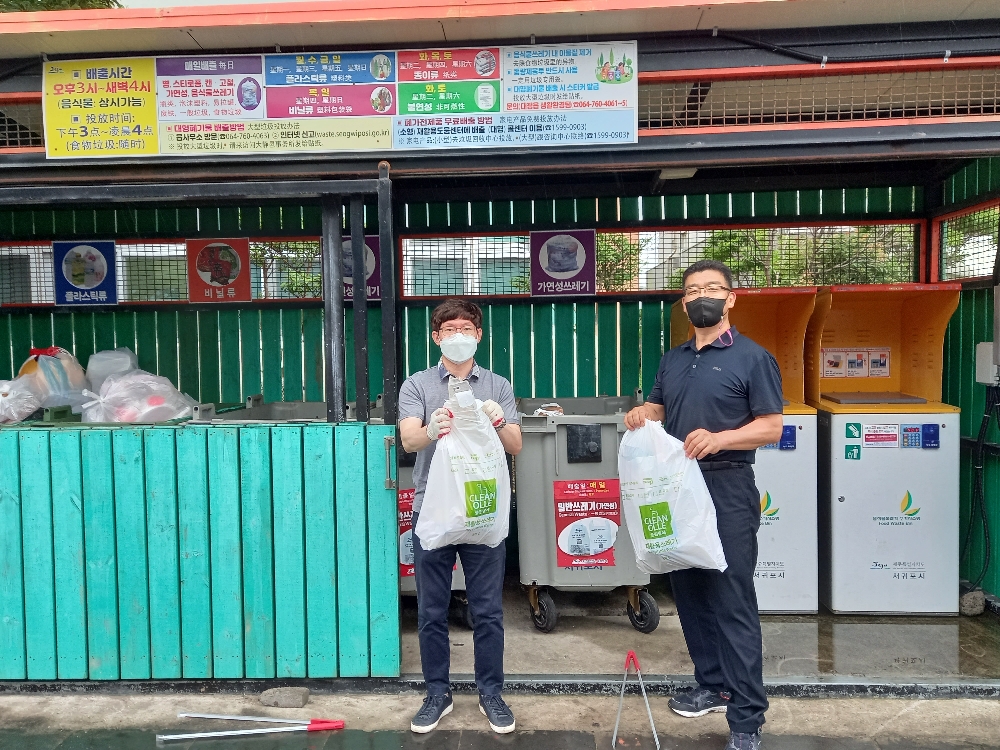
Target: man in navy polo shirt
<point x="721" y="394"/>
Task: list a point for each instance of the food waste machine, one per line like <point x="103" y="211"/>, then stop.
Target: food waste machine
<point x="787" y="574"/>
<point x="570" y="525"/>
<point x="888" y="449"/>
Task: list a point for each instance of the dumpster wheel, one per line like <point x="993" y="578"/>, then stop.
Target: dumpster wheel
<point x="647" y="617"/>
<point x="542" y="609"/>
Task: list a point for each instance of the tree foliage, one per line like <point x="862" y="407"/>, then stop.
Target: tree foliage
<point x="28" y="6"/>
<point x="618" y="261"/>
<point x="291" y="267"/>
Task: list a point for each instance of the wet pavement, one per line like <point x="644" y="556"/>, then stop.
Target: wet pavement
<point x="593" y="635"/>
<point x="442" y="740"/>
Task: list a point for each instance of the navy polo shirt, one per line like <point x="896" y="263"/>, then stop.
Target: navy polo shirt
<point x="722" y="387"/>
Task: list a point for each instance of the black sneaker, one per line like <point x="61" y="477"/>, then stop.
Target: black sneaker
<point x="698" y="701"/>
<point x="497" y="713"/>
<point x="744" y="741"/>
<point x="434" y="708"/>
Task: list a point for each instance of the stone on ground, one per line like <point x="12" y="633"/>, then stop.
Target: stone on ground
<point x="285" y="697"/>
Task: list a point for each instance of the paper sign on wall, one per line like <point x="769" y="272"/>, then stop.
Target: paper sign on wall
<point x="218" y="270"/>
<point x="864" y="362"/>
<point x="588" y="514"/>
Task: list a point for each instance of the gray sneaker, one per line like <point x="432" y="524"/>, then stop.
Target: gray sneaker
<point x="497" y="713"/>
<point x="744" y="741"/>
<point x="698" y="702"/>
<point x="435" y="707"/>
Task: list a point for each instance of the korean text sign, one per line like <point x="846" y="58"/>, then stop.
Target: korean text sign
<point x="563" y="263"/>
<point x="441" y="98"/>
<point x="84" y="273"/>
<point x="588" y="515"/>
<point x="218" y="270"/>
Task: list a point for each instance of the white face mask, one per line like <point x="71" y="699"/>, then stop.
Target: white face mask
<point x="459" y="348"/>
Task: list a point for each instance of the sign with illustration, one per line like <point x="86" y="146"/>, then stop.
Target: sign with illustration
<point x="588" y="515"/>
<point x="870" y="362"/>
<point x="455" y="97"/>
<point x="218" y="270"/>
<point x="84" y="273"/>
<point x="373" y="268"/>
<point x="563" y="263"/>
<point x="404" y="500"/>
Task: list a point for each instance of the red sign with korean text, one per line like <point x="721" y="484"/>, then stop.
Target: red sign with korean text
<point x="218" y="270"/>
<point x="588" y="515"/>
<point x="473" y="64"/>
<point x="405" y="511"/>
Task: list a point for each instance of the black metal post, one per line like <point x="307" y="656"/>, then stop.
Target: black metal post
<point x="333" y="310"/>
<point x="360" y="278"/>
<point x="387" y="250"/>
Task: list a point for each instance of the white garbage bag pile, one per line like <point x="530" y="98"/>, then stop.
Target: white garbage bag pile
<point x="136" y="396"/>
<point x="18" y="400"/>
<point x="109" y="362"/>
<point x="470" y="503"/>
<point x="669" y="511"/>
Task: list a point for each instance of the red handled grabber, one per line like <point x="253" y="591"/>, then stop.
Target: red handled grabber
<point x="632" y="659"/>
<point x="297" y="725"/>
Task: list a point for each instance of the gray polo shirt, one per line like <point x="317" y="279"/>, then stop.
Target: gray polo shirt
<point x="425" y="392"/>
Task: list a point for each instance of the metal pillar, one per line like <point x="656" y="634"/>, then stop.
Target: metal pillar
<point x="360" y="278"/>
<point x="387" y="248"/>
<point x="333" y="310"/>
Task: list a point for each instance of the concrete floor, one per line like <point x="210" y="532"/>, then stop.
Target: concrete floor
<point x="593" y="636"/>
<point x="888" y="722"/>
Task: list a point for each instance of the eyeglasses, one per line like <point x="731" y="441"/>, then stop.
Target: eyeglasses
<point x="468" y="330"/>
<point x="712" y="290"/>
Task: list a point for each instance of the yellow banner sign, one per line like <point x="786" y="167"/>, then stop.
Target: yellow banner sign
<point x="100" y="108"/>
<point x="277" y="136"/>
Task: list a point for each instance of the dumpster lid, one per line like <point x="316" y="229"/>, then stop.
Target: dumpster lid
<point x="873" y="397"/>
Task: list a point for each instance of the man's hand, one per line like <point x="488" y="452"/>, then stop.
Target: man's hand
<point x="440" y="424"/>
<point x="638" y="416"/>
<point x="701" y="443"/>
<point x="493" y="411"/>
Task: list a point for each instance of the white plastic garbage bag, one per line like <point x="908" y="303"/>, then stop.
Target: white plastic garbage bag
<point x="109" y="362"/>
<point x="56" y="377"/>
<point x="18" y="400"/>
<point x="136" y="396"/>
<point x="669" y="511"/>
<point x="468" y="485"/>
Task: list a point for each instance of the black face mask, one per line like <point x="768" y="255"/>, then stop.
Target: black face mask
<point x="706" y="312"/>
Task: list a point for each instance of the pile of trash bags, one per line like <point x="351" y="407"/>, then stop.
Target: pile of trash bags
<point x="112" y="389"/>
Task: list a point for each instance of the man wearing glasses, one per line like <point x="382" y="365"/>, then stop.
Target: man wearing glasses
<point x="720" y="393"/>
<point x="457" y="327"/>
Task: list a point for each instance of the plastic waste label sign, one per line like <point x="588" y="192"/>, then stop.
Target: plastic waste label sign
<point x="84" y="273"/>
<point x="588" y="514"/>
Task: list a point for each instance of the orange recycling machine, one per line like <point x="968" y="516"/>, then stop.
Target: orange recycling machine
<point x="888" y="448"/>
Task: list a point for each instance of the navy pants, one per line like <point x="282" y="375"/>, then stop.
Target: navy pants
<point x="484" y="570"/>
<point x="718" y="611"/>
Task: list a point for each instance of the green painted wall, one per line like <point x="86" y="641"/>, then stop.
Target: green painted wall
<point x="972" y="181"/>
<point x="971" y="324"/>
<point x="198" y="552"/>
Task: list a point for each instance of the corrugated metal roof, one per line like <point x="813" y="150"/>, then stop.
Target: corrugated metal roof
<point x="397" y="23"/>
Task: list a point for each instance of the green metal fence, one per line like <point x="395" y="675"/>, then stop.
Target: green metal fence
<point x="198" y="552"/>
<point x="971" y="324"/>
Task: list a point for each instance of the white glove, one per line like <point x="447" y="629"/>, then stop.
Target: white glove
<point x="494" y="411"/>
<point x="440" y="424"/>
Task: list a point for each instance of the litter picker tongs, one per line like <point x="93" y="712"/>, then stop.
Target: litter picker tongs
<point x="630" y="659"/>
<point x="297" y="725"/>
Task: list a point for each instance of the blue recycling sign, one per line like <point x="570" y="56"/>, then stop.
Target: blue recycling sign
<point x="84" y="273"/>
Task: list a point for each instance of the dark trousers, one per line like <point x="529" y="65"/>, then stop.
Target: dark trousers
<point x="718" y="611"/>
<point x="484" y="569"/>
